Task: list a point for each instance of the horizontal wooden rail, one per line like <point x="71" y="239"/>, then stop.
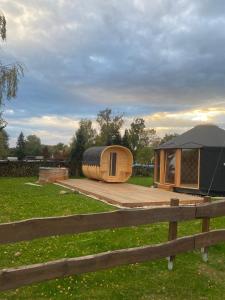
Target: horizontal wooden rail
<point x="43" y="227"/>
<point x="211" y="209"/>
<point x="16" y="277"/>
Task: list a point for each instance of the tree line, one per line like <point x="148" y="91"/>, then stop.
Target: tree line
<point x="138" y="138"/>
<point x="31" y="146"/>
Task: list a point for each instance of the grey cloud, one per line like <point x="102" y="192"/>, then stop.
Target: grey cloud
<point x="139" y="56"/>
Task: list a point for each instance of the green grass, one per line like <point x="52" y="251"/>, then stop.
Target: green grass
<point x="144" y="181"/>
<point x="190" y="279"/>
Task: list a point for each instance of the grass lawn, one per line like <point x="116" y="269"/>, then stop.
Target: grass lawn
<point x="144" y="181"/>
<point x="190" y="279"/>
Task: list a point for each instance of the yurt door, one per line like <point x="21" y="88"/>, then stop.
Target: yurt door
<point x="112" y="162"/>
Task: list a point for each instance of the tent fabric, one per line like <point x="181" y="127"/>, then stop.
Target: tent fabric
<point x="92" y="156"/>
<point x="198" y="137"/>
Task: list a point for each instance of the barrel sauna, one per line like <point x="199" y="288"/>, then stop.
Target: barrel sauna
<point x="108" y="163"/>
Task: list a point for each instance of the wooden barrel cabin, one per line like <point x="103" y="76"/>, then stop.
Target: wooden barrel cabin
<point x="108" y="163"/>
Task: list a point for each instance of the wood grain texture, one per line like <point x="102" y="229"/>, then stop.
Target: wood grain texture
<point x="162" y="166"/>
<point x="14" y="278"/>
<point x="178" y="168"/>
<point x="172" y="233"/>
<point x="128" y="195"/>
<point x="211" y="210"/>
<point x="123" y="168"/>
<point x="206" y="220"/>
<point x="43" y="227"/>
<point x="206" y="225"/>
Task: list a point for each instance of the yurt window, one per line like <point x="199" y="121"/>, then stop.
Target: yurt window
<point x="112" y="167"/>
<point x="170" y="164"/>
<point x="189" y="167"/>
<point x="157" y="166"/>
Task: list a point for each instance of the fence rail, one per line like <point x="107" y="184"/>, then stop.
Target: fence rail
<point x="43" y="227"/>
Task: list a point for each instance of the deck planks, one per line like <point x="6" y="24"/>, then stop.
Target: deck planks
<point x="128" y="195"/>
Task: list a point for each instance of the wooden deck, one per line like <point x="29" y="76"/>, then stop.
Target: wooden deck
<point x="127" y="195"/>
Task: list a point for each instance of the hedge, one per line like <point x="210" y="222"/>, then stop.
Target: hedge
<point x="143" y="171"/>
<point x="26" y="168"/>
<point x="31" y="168"/>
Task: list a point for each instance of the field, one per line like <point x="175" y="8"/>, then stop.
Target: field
<point x="190" y="279"/>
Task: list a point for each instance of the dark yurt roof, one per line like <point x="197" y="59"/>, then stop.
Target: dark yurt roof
<point x="92" y="156"/>
<point x="198" y="137"/>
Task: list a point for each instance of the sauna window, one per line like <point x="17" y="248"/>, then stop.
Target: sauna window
<point x="112" y="167"/>
<point x="189" y="167"/>
<point x="170" y="164"/>
<point x="157" y="166"/>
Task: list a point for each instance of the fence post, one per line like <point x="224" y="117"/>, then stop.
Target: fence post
<point x="205" y="228"/>
<point x="172" y="234"/>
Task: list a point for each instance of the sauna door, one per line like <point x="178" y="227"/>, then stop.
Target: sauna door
<point x="112" y="164"/>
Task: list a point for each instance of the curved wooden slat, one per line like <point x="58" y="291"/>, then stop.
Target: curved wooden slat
<point x="43" y="227"/>
<point x="211" y="210"/>
<point x="14" y="278"/>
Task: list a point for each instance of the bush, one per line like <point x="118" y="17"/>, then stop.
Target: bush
<point x="143" y="170"/>
<point x="28" y="168"/>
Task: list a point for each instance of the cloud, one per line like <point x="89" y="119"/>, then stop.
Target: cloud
<point x="47" y="121"/>
<point x="9" y="112"/>
<point x="53" y="129"/>
<point x="178" y="122"/>
<point x="141" y="57"/>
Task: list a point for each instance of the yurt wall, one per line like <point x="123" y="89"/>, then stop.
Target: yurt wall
<point x="212" y="169"/>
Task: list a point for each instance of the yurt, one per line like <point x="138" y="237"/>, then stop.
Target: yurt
<point x="109" y="163"/>
<point x="193" y="162"/>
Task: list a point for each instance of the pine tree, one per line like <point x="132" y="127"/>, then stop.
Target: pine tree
<point x="126" y="139"/>
<point x="77" y="151"/>
<point x="45" y="152"/>
<point x="85" y="137"/>
<point x="20" y="147"/>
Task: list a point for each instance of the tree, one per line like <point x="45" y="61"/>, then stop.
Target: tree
<point x="89" y="132"/>
<point x="135" y="132"/>
<point x="77" y="152"/>
<point x="4" y="146"/>
<point x="9" y="76"/>
<point x="145" y="155"/>
<point x="168" y="137"/>
<point x="84" y="138"/>
<point x="60" y="151"/>
<point x="12" y="151"/>
<point x="141" y="137"/>
<point x="45" y="152"/>
<point x="33" y="145"/>
<point x="20" y="147"/>
<point x="126" y="139"/>
<point x="110" y="126"/>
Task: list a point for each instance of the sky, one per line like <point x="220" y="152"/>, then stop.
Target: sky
<point x="162" y="60"/>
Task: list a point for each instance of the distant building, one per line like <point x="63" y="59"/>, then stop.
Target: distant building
<point x="12" y="158"/>
<point x="39" y="157"/>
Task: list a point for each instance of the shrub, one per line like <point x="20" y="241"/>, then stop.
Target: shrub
<point x="28" y="168"/>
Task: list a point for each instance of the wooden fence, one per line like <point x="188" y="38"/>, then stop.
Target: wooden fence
<point x="43" y="227"/>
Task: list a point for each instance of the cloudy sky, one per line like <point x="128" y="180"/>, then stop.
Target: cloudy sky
<point x="163" y="60"/>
